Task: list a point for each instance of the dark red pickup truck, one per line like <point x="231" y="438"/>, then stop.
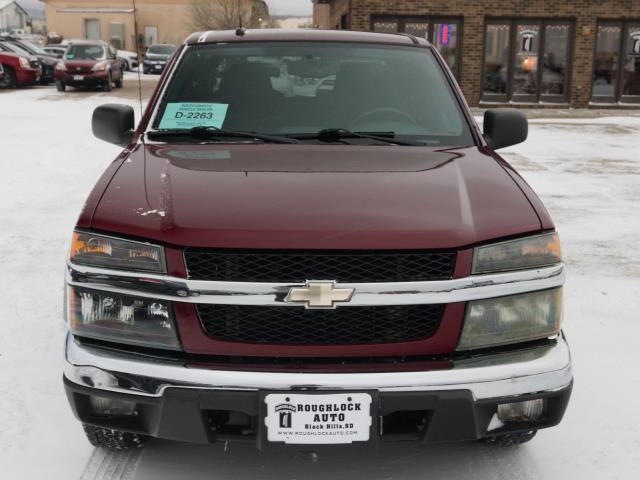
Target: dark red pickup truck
<point x="307" y="241"/>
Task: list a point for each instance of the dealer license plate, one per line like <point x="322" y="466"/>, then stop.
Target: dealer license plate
<point x="318" y="418"/>
<point x="78" y="78"/>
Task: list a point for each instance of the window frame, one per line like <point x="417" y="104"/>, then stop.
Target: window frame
<point x="618" y="95"/>
<point x="431" y="20"/>
<point x="539" y="96"/>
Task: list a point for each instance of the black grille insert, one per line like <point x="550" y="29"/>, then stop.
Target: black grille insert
<point x="296" y="267"/>
<point x="295" y="325"/>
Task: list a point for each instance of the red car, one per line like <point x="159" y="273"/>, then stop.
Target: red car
<point x="19" y="70"/>
<point x="89" y="64"/>
<point x="273" y="262"/>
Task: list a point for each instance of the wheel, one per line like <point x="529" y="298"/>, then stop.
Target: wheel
<point x="109" y="85"/>
<point x="113" y="439"/>
<point x="510" y="439"/>
<point x="119" y="81"/>
<point x="60" y="86"/>
<point x="145" y="71"/>
<point x="10" y="80"/>
<point x="126" y="66"/>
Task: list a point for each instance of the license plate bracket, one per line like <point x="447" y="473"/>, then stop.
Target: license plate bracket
<point x="295" y="418"/>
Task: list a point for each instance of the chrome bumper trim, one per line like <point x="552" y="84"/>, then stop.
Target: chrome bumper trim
<point x="530" y="370"/>
<point x="165" y="287"/>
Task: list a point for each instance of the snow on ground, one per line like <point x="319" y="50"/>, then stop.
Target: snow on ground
<point x="587" y="172"/>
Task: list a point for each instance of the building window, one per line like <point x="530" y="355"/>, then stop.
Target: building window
<point x="444" y="34"/>
<point x="526" y="61"/>
<point x="344" y="21"/>
<point x="150" y="35"/>
<point x="91" y="29"/>
<point x="116" y="35"/>
<point x="616" y="66"/>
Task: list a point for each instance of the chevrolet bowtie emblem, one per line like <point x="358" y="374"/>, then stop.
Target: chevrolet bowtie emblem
<point x="319" y="294"/>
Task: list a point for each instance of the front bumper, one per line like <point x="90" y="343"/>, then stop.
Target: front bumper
<point x="154" y="67"/>
<point x="84" y="79"/>
<point x="177" y="402"/>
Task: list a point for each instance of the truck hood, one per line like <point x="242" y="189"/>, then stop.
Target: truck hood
<point x="313" y="196"/>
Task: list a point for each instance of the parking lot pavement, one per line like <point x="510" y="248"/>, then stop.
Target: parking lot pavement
<point x="587" y="172"/>
<point x="129" y="90"/>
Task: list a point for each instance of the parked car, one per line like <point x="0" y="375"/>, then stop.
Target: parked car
<point x="47" y="61"/>
<point x="298" y="270"/>
<point x="89" y="64"/>
<point x="20" y="70"/>
<point x="129" y="59"/>
<point x="55" y="50"/>
<point x="157" y="57"/>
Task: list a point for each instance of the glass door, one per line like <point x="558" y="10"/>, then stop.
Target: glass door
<point x="630" y="77"/>
<point x="606" y="63"/>
<point x="525" y="63"/>
<point x="555" y="62"/>
<point x="497" y="58"/>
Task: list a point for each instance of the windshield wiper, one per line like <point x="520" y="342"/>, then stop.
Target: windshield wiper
<point x="337" y="134"/>
<point x="209" y="133"/>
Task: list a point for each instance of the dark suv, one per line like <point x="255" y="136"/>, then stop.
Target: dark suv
<point x="273" y="262"/>
<point x="89" y="64"/>
<point x="157" y="57"/>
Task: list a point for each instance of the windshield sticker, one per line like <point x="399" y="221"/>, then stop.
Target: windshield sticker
<point x="189" y="115"/>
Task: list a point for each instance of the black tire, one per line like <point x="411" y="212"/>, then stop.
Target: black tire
<point x="10" y="80"/>
<point x="60" y="86"/>
<point x="113" y="439"/>
<point x="145" y="71"/>
<point x="109" y="85"/>
<point x="126" y="66"/>
<point x="510" y="439"/>
<point x="119" y="81"/>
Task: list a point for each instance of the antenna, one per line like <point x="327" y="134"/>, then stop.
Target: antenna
<point x="240" y="31"/>
<point x="135" y="40"/>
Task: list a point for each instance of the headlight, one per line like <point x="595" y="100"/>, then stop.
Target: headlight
<point x="103" y="251"/>
<point x="537" y="251"/>
<point x="512" y="319"/>
<point x="122" y="319"/>
<point x="24" y="63"/>
<point x="100" y="67"/>
<point x="61" y="67"/>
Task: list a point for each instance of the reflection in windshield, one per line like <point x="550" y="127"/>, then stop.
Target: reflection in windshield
<point x="289" y="88"/>
<point x="85" y="52"/>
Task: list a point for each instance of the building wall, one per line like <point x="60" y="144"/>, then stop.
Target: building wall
<point x="585" y="14"/>
<point x="171" y="17"/>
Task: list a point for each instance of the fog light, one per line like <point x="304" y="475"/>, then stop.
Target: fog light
<point x="104" y="406"/>
<point x="528" y="411"/>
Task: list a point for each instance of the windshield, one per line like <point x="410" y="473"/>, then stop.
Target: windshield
<point x="303" y="88"/>
<point x="33" y="47"/>
<point x="160" y="50"/>
<point x="12" y="47"/>
<point x="85" y="52"/>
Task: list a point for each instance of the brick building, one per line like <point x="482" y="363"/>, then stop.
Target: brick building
<point x="579" y="53"/>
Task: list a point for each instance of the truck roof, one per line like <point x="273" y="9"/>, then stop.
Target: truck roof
<point x="302" y="35"/>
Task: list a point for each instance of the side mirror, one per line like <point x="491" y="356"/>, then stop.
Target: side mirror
<point x="113" y="123"/>
<point x="504" y="127"/>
